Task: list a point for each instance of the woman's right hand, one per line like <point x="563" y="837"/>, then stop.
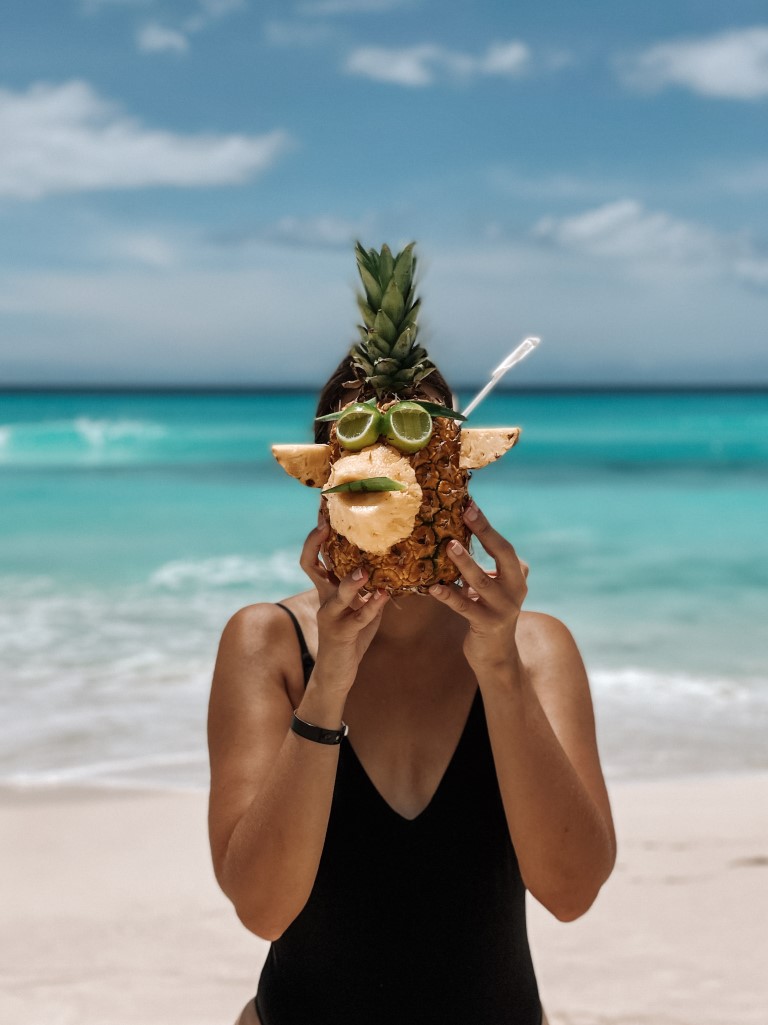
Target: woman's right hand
<point x="347" y="619"/>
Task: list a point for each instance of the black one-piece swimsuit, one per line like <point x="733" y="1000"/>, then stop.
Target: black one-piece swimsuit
<point x="410" y="921"/>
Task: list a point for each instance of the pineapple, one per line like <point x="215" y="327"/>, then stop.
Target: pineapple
<point x="401" y="535"/>
<point x="418" y="560"/>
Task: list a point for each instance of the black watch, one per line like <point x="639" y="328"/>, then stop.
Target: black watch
<point x="317" y="733"/>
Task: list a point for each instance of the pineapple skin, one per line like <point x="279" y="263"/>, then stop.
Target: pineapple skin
<point x="419" y="561"/>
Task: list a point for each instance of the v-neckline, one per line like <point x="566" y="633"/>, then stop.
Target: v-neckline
<point x="404" y="818"/>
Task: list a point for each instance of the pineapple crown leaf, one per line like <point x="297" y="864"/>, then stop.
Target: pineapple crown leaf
<point x="387" y="358"/>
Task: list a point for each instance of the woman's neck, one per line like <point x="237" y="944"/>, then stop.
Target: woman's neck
<point x="409" y="618"/>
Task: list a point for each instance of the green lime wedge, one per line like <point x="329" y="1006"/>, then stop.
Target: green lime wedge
<point x="408" y="426"/>
<point x="359" y="426"/>
<point x="367" y="484"/>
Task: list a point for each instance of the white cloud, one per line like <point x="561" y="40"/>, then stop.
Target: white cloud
<point x="655" y="242"/>
<point x="324" y="231"/>
<point x="66" y="138"/>
<point x="142" y="248"/>
<point x="409" y="66"/>
<point x="504" y="59"/>
<point x="154" y="38"/>
<point x="731" y="65"/>
<point x="626" y="230"/>
<point x="422" y="65"/>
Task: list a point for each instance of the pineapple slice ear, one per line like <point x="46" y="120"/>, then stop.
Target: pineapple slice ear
<point x="311" y="464"/>
<point x="483" y="445"/>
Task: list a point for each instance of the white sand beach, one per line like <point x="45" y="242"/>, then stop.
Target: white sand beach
<point x="111" y="915"/>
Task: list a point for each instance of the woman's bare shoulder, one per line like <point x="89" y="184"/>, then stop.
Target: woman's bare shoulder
<point x="262" y="625"/>
<point x="256" y="672"/>
<point x="542" y="637"/>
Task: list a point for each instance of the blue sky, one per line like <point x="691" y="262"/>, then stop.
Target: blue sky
<point x="181" y="182"/>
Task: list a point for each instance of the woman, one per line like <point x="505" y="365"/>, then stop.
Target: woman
<point x="389" y="867"/>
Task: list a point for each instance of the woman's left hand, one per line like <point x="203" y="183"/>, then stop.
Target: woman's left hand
<point x="489" y="601"/>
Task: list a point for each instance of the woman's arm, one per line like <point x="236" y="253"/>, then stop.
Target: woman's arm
<point x="271" y="790"/>
<point x="541" y="726"/>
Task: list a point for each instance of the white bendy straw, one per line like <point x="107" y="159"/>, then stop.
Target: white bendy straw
<point x="523" y="349"/>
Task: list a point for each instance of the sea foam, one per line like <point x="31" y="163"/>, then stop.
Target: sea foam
<point x="230" y="571"/>
<point x="83" y="439"/>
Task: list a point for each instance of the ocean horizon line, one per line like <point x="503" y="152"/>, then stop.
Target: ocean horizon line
<point x="180" y="388"/>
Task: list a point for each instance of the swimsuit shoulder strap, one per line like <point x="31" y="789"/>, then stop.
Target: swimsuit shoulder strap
<point x="307" y="661"/>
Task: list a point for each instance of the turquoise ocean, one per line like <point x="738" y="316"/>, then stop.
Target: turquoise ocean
<point x="132" y="525"/>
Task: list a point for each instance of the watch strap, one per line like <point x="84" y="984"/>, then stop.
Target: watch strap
<point x="318" y="734"/>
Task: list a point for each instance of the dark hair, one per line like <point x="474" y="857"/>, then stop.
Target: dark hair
<point x="345" y="379"/>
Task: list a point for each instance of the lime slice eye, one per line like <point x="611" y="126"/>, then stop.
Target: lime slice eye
<point x="408" y="426"/>
<point x="359" y="426"/>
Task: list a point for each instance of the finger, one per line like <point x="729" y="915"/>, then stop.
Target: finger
<point x="311" y="564"/>
<point x="457" y="599"/>
<point x="494" y="543"/>
<point x="472" y="593"/>
<point x="349" y="594"/>
<point x="478" y="580"/>
<point x="372" y="608"/>
<point x="325" y="563"/>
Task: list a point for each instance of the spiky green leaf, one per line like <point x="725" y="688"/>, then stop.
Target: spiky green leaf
<point x="373" y="290"/>
<point x="368" y="315"/>
<point x="436" y="410"/>
<point x="363" y="362"/>
<point x="392" y="303"/>
<point x="404" y="376"/>
<point x="386" y="366"/>
<point x="410" y="315"/>
<point x="366" y="258"/>
<point x="402" y="346"/>
<point x="386" y="266"/>
<point x="384" y="327"/>
<point x="403" y="269"/>
<point x="376" y="347"/>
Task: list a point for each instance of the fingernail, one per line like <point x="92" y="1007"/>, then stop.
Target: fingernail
<point x="378" y="595"/>
<point x="455" y="547"/>
<point x="438" y="590"/>
<point x="358" y="574"/>
<point x="472" y="511"/>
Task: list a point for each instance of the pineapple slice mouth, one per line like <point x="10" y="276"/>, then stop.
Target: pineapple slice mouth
<point x="374" y="521"/>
